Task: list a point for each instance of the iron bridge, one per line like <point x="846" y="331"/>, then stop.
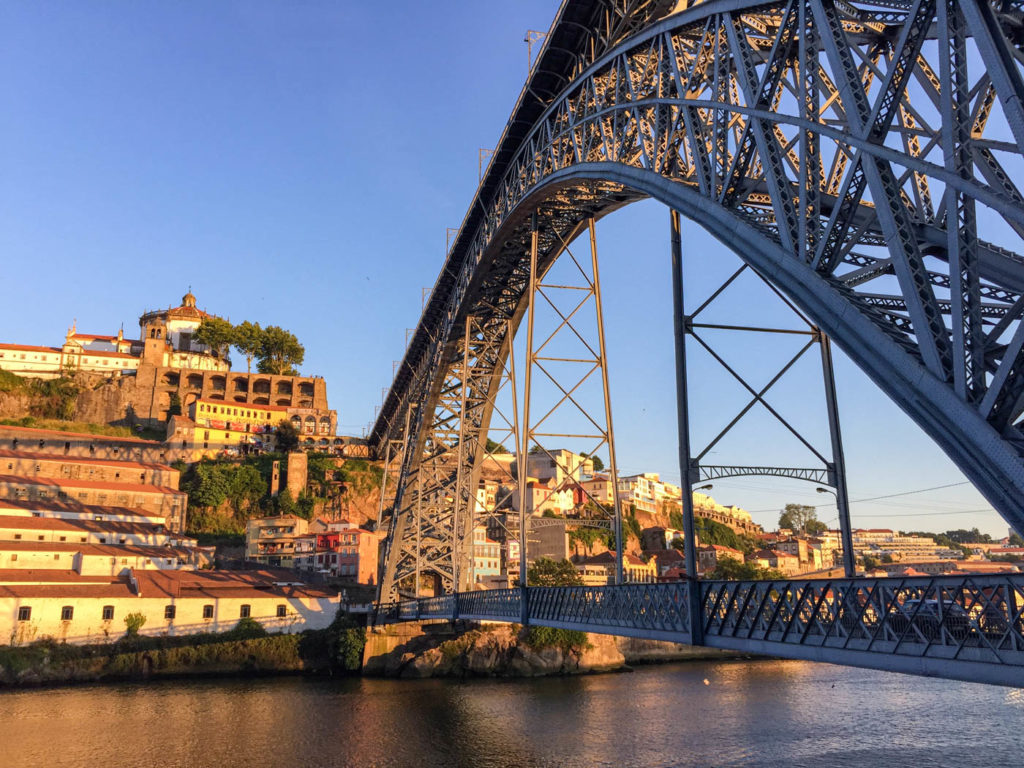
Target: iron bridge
<point x="965" y="628"/>
<point x="862" y="157"/>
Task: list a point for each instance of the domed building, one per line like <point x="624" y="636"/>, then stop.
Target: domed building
<point x="167" y="338"/>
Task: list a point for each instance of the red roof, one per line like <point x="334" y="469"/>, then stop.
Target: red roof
<point x="102" y="438"/>
<point x="96" y="484"/>
<point x="30" y="348"/>
<point x="6" y="453"/>
<point x="93" y="336"/>
<point x="110" y="550"/>
<point x="113" y="527"/>
<point x="57" y="505"/>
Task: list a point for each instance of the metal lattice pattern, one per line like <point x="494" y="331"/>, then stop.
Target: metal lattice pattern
<point x="968" y="627"/>
<point x="656" y="609"/>
<point x="492" y="604"/>
<point x="860" y="156"/>
<point x="968" y="618"/>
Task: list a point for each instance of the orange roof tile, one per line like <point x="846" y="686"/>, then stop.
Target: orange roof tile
<point x="113" y="527"/>
<point x="56" y="505"/>
<point x="100" y="438"/>
<point x="95" y="484"/>
<point x="40" y="456"/>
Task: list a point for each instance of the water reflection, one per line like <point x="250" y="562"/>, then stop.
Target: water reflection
<point x="746" y="714"/>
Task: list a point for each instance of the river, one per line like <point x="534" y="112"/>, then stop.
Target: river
<point x="748" y="713"/>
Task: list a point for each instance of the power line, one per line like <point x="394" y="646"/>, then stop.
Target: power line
<point x="931" y="514"/>
<point x="889" y="496"/>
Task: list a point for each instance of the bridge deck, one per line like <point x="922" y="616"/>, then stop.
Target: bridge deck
<point x="963" y="627"/>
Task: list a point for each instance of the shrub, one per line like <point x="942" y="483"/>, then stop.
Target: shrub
<point x="134" y="622"/>
<point x="568" y="640"/>
<point x="246" y="628"/>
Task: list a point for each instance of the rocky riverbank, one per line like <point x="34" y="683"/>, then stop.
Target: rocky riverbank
<point x="509" y="650"/>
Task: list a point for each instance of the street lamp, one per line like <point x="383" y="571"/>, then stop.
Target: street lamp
<point x="707" y="487"/>
<point x="819" y="489"/>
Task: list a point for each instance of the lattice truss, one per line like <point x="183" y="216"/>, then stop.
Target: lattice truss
<point x="875" y="144"/>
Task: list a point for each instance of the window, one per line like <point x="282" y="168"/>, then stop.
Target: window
<point x="56" y="556"/>
<point x="244" y="611"/>
<point x="282" y="610"/>
<point x="25" y="613"/>
<point x="67" y="613"/>
<point x="108" y="612"/>
<point x="207" y="611"/>
<point x="63" y="538"/>
<point x="17" y="536"/>
<point x="170" y="611"/>
<point x="14" y="557"/>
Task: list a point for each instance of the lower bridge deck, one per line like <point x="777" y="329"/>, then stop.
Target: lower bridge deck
<point x="960" y="627"/>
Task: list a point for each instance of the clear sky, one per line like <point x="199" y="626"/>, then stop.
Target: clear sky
<point x="298" y="164"/>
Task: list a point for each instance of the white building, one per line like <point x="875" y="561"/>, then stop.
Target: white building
<point x="88" y="609"/>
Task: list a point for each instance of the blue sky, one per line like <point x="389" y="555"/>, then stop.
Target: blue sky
<point x="298" y="164"/>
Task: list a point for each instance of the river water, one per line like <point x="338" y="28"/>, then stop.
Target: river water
<point x="756" y="713"/>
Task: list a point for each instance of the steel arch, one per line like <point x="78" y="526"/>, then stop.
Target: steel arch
<point x="730" y="112"/>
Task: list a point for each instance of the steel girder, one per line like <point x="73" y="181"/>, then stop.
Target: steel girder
<point x="814" y="139"/>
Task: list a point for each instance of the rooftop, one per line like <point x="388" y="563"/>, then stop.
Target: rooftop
<point x="55" y="433"/>
<point x="6" y="453"/>
<point x="98" y="485"/>
<point x="56" y="505"/>
<point x="113" y="527"/>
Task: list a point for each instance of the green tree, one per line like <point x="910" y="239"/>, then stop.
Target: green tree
<point x="286" y="504"/>
<point x="287" y="436"/>
<point x="209" y="485"/>
<point x="630" y="525"/>
<point x="133" y="622"/>
<point x="797" y="516"/>
<point x="973" y="536"/>
<point x="279" y="352"/>
<point x="217" y="334"/>
<point x="870" y="563"/>
<point x="545" y="572"/>
<point x="731" y="569"/>
<point x="174" y="409"/>
<point x="245" y="488"/>
<point x="815" y="527"/>
<point x="1016" y="540"/>
<point x="598" y="464"/>
<point x="248" y="339"/>
<point x="493" y="447"/>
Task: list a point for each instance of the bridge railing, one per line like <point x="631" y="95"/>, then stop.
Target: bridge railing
<point x="967" y="627"/>
<point x="491" y="605"/>
<point x="961" y="618"/>
<point x="659" y="611"/>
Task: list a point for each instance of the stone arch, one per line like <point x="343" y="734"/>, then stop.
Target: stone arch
<point x="283" y="388"/>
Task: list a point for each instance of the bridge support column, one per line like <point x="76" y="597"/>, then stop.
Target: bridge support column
<point x="683" y="416"/>
<point x="837" y="470"/>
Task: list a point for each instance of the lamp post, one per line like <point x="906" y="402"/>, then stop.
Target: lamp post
<point x="849" y="566"/>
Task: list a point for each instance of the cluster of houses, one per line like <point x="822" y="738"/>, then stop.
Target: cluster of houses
<point x="92" y="532"/>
